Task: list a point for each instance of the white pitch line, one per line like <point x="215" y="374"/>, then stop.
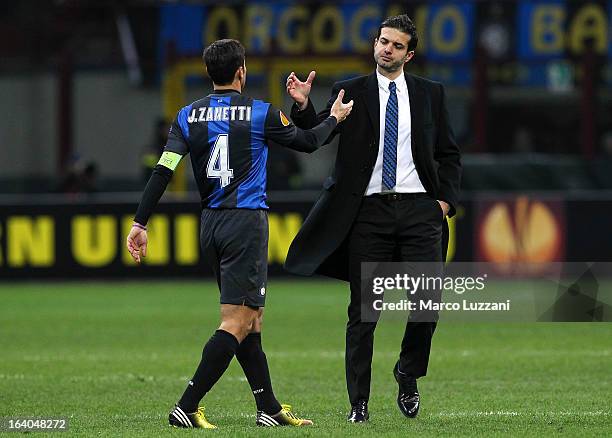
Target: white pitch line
<point x="522" y="414"/>
<point x="464" y="414"/>
<point x="339" y="354"/>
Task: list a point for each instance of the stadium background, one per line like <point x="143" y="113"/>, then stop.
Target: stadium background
<point x="88" y="89"/>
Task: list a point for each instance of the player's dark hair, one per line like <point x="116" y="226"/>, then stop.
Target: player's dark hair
<point x="404" y="24"/>
<point x="222" y="59"/>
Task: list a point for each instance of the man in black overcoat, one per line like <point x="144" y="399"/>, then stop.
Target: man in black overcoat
<point x="395" y="181"/>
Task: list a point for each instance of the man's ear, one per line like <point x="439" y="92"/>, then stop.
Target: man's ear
<point x="409" y="56"/>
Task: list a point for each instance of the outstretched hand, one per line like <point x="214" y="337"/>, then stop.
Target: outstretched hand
<point x="137" y="243"/>
<point x="341" y="110"/>
<point x="298" y="90"/>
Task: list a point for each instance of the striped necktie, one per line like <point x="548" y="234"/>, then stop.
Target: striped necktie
<point x="390" y="150"/>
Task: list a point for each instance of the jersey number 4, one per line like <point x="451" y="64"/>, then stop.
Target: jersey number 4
<point x="218" y="163"/>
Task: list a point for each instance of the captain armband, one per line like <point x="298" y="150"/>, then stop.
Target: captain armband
<point x="170" y="160"/>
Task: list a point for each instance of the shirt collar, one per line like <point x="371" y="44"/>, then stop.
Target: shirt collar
<point x="400" y="82"/>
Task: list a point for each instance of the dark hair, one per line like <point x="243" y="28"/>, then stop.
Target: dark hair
<point x="404" y="24"/>
<point x="222" y="59"/>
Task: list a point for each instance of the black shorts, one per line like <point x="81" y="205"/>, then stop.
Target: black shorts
<point x="235" y="244"/>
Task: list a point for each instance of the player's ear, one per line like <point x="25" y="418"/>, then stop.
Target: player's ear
<point x="241" y="75"/>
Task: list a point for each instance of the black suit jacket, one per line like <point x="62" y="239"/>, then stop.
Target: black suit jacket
<point x="320" y="246"/>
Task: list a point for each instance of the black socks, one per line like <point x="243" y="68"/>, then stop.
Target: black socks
<point x="255" y="366"/>
<point x="216" y="357"/>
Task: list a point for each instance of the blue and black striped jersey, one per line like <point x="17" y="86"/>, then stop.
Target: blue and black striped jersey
<point x="226" y="135"/>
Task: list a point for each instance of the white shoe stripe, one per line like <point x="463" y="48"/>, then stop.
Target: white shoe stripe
<point x="184" y="418"/>
<point x="267" y="420"/>
<point x="184" y="414"/>
<point x="179" y="418"/>
<point x="189" y="423"/>
<point x="178" y="413"/>
<point x="263" y="421"/>
<point x="272" y="419"/>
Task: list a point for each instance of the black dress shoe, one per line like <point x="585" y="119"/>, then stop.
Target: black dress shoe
<point x="359" y="412"/>
<point x="408" y="399"/>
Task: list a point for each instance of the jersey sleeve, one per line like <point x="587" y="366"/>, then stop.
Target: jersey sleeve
<point x="279" y="129"/>
<point x="177" y="145"/>
<point x="178" y="134"/>
<point x="176" y="148"/>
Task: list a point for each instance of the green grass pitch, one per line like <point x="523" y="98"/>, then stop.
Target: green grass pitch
<point x="113" y="357"/>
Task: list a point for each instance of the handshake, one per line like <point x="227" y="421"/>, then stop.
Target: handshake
<point x="299" y="92"/>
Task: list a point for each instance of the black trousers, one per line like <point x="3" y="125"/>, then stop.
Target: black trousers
<point x="406" y="229"/>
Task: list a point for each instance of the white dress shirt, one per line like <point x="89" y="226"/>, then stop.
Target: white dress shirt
<point x="406" y="177"/>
